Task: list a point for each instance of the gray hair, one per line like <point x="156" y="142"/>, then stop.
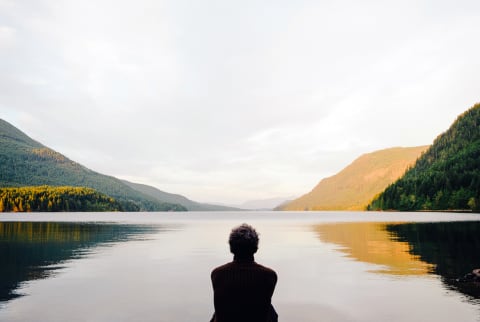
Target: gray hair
<point x="243" y="240"/>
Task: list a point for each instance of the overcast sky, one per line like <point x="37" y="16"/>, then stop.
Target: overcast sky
<point x="227" y="101"/>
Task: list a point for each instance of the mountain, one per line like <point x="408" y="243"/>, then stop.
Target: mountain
<point x="446" y="177"/>
<point x="176" y="199"/>
<point x="264" y="204"/>
<point x="355" y="186"/>
<point x="26" y="162"/>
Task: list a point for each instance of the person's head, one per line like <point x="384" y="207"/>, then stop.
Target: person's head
<point x="243" y="240"/>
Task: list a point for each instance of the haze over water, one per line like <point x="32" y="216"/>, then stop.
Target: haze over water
<point x="332" y="266"/>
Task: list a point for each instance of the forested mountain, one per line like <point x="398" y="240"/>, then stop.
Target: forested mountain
<point x="356" y="185"/>
<point x="446" y="177"/>
<point x="178" y="199"/>
<point x="25" y="162"/>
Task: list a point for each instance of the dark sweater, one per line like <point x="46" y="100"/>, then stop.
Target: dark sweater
<point x="242" y="291"/>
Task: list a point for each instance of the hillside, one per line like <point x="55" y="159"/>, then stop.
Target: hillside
<point x="355" y="186"/>
<point x="177" y="199"/>
<point x="26" y="162"/>
<point x="446" y="177"/>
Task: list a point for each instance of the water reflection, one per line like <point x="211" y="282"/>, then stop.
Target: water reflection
<point x="372" y="243"/>
<point x="34" y="250"/>
<point x="452" y="247"/>
<point x="448" y="249"/>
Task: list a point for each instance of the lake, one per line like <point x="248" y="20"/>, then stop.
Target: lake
<point x="332" y="266"/>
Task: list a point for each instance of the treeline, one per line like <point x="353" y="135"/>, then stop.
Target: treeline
<point x="445" y="177"/>
<point x="47" y="198"/>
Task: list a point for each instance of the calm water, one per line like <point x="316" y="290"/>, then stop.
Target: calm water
<point x="332" y="266"/>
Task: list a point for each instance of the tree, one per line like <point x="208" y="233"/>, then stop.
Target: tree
<point x="472" y="203"/>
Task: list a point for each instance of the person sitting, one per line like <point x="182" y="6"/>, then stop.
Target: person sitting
<point x="243" y="289"/>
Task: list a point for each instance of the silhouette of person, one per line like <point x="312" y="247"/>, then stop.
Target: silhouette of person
<point x="243" y="289"/>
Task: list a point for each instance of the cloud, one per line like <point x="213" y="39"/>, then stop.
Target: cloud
<point x="224" y="101"/>
<point x="7" y="37"/>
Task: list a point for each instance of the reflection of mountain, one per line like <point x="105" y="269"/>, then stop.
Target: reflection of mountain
<point x="448" y="249"/>
<point x="453" y="249"/>
<point x="371" y="243"/>
<point x="33" y="250"/>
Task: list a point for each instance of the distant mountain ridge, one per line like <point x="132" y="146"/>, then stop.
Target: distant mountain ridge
<point x="177" y="199"/>
<point x="446" y="177"/>
<point x="26" y="162"/>
<point x="264" y="204"/>
<point x="355" y="186"/>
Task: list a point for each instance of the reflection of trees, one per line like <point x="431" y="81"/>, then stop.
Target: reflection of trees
<point x="452" y="247"/>
<point x="370" y="242"/>
<point x="448" y="249"/>
<point x="29" y="250"/>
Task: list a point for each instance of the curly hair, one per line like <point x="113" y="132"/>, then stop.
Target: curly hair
<point x="243" y="240"/>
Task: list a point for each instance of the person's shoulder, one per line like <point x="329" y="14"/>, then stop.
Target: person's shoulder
<point x="265" y="269"/>
<point x="268" y="274"/>
<point x="221" y="268"/>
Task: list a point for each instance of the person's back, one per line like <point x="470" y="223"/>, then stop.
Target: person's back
<point x="243" y="289"/>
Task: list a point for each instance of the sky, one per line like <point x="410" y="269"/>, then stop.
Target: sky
<point x="228" y="101"/>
